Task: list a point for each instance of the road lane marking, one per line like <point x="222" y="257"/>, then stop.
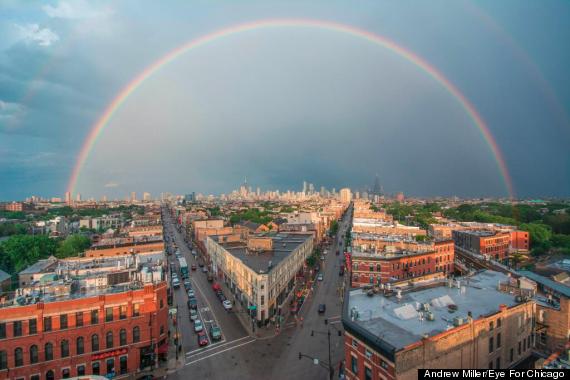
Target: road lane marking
<point x="220" y="352"/>
<point x="216" y="345"/>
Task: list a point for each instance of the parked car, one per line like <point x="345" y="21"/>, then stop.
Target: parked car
<point x="227" y="304"/>
<point x="192" y="303"/>
<point x="320" y="277"/>
<point x="191" y="293"/>
<point x="198" y="325"/>
<point x="210" y="277"/>
<point x="201" y="264"/>
<point x="193" y="315"/>
<point x="322" y="308"/>
<point x="187" y="285"/>
<point x="204" y="270"/>
<point x="216" y="287"/>
<point x="202" y="339"/>
<point x="215" y="332"/>
<point x="193" y="267"/>
<point x="175" y="283"/>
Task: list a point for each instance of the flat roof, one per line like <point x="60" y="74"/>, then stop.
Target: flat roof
<point x="397" y="321"/>
<point x="39" y="266"/>
<point x="283" y="245"/>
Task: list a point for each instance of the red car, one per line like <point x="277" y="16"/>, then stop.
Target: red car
<point x="202" y="339"/>
<point x="193" y="267"/>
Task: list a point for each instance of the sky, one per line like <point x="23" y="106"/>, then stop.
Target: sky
<point x="286" y="104"/>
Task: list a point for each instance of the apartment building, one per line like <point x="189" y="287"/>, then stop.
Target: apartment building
<point x="261" y="270"/>
<point x="492" y="244"/>
<point x="466" y="323"/>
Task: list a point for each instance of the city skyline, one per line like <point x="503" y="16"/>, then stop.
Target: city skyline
<point x="242" y="87"/>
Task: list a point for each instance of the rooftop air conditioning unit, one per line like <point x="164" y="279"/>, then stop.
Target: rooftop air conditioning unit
<point x="458" y="321"/>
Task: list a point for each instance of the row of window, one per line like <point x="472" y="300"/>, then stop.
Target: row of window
<point x="64" y="349"/>
<point x="95" y="369"/>
<point x="17" y="326"/>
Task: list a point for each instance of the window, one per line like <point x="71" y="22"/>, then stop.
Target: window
<point x="109" y="339"/>
<point x="354" y="343"/>
<point x="123" y="312"/>
<point x="136" y="310"/>
<point x="368" y="354"/>
<point x="81" y="370"/>
<point x="33" y="326"/>
<point x="63" y="321"/>
<point x="47" y="324"/>
<point x="519" y="351"/>
<point x="498" y="365"/>
<point x="35" y="377"/>
<point x="528" y="341"/>
<point x="110" y="365"/>
<point x="136" y="334"/>
<point x="50" y="375"/>
<point x="94" y="342"/>
<point x="64" y="346"/>
<point x="18" y="357"/>
<point x="511" y="357"/>
<point x="367" y="373"/>
<point x="2" y="330"/>
<point x="95" y="368"/>
<point x="109" y="314"/>
<point x="17" y="328"/>
<point x="3" y="360"/>
<point x="48" y="349"/>
<point x="34" y="354"/>
<point x="524" y="344"/>
<point x="80" y="345"/>
<point x="65" y="373"/>
<point x="161" y="303"/>
<point x="383" y="364"/>
<point x="498" y="340"/>
<point x="94" y="317"/>
<point x="123" y="364"/>
<point x="499" y="322"/>
<point x="490" y="344"/>
<point x="123" y="337"/>
<point x="263" y="300"/>
<point x="79" y="319"/>
<point x="491" y="325"/>
<point x="354" y="364"/>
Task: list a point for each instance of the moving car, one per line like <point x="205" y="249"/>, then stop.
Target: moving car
<point x="198" y="325"/>
<point x="193" y="315"/>
<point x="320" y="277"/>
<point x="215" y="332"/>
<point x="193" y="267"/>
<point x="322" y="308"/>
<point x="227" y="304"/>
<point x="187" y="285"/>
<point x="202" y="339"/>
<point x="191" y="293"/>
<point x="175" y="282"/>
<point x="210" y="277"/>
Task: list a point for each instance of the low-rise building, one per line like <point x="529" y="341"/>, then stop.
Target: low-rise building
<point x="467" y="323"/>
<point x="261" y="270"/>
<point x="492" y="244"/>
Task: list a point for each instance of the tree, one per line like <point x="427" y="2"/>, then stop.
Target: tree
<point x="73" y="245"/>
<point x="540" y="234"/>
<point x="21" y="251"/>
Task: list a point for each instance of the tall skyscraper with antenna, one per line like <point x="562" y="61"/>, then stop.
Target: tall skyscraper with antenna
<point x="377" y="189"/>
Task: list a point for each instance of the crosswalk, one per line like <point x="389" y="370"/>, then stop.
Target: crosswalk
<point x="214" y="349"/>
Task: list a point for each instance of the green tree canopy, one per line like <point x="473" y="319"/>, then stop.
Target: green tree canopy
<point x="73" y="245"/>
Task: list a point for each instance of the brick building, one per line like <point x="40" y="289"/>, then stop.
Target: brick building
<point x="492" y="244"/>
<point x="464" y="324"/>
<point x="95" y="335"/>
<point x="374" y="268"/>
<point x="126" y="246"/>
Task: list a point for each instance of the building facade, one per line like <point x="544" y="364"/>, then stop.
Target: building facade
<point x="116" y="333"/>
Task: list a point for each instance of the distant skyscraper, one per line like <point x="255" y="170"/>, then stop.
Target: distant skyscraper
<point x="323" y="190"/>
<point x="146" y="196"/>
<point x="133" y="196"/>
<point x="104" y="198"/>
<point x="377" y="189"/>
<point x="68" y="197"/>
<point x="311" y="188"/>
<point x="304" y="187"/>
<point x="78" y="197"/>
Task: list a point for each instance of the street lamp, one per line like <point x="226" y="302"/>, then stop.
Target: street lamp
<point x="328" y="334"/>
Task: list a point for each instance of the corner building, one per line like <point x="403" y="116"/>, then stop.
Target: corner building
<point x="112" y="333"/>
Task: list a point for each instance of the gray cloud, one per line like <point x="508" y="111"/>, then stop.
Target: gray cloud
<point x="34" y="33"/>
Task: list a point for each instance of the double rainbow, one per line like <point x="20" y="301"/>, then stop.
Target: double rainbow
<point x="290" y="23"/>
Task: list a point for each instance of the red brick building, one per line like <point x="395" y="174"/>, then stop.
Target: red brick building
<point x="377" y="268"/>
<point x="520" y="241"/>
<point x="108" y="333"/>
<point x="484" y="242"/>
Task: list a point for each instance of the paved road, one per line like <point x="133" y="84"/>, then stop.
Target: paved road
<point x="240" y="356"/>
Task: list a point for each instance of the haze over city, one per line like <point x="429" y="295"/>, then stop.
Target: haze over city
<point x="284" y="100"/>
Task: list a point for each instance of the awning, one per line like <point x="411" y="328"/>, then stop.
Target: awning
<point x="163" y="349"/>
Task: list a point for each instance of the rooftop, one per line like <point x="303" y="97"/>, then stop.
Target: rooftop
<point x="399" y="321"/>
<point x="262" y="262"/>
<point x="547" y="282"/>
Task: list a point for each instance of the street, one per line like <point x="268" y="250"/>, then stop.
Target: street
<point x="241" y="356"/>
